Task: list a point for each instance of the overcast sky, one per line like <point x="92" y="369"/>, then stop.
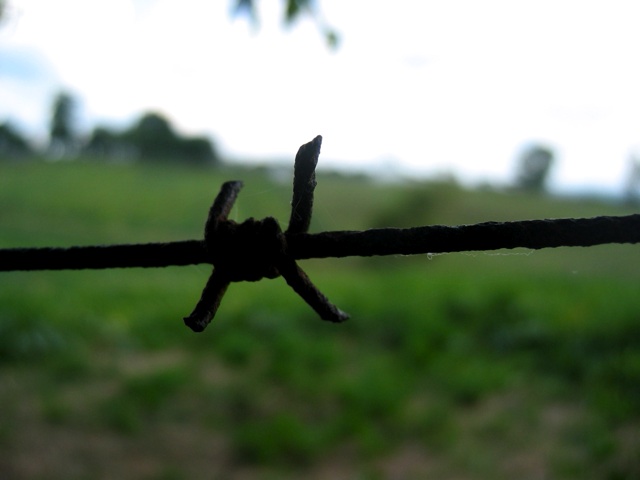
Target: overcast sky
<point x="428" y="86"/>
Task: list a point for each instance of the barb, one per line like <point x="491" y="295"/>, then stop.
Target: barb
<point x="256" y="249"/>
<point x="304" y="184"/>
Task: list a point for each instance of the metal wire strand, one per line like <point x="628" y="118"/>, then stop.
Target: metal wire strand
<point x="256" y="249"/>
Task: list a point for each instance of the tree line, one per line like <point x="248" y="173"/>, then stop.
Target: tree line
<point x="151" y="138"/>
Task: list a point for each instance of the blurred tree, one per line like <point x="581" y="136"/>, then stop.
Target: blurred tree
<point x="107" y="144"/>
<point x="12" y="144"/>
<point x="293" y="9"/>
<point x="198" y="151"/>
<point x="534" y="165"/>
<point x="153" y="138"/>
<point x="62" y="136"/>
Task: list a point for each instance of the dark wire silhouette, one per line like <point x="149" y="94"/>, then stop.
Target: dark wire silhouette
<point x="256" y="249"/>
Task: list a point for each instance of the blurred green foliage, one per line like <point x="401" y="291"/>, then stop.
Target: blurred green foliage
<point x="292" y="11"/>
<point x="468" y="365"/>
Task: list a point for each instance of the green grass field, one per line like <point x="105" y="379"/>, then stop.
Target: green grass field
<point x="502" y="365"/>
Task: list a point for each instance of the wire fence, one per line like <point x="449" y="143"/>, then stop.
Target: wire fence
<point x="256" y="249"/>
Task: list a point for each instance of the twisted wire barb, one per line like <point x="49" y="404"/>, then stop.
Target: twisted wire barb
<point x="257" y="249"/>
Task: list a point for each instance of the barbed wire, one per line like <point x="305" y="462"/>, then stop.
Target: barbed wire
<point x="256" y="249"/>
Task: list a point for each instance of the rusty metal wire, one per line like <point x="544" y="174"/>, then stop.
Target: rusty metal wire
<point x="256" y="249"/>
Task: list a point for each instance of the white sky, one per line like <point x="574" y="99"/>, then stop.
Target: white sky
<point x="432" y="86"/>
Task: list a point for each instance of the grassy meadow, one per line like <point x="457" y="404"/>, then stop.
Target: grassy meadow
<point x="499" y="365"/>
